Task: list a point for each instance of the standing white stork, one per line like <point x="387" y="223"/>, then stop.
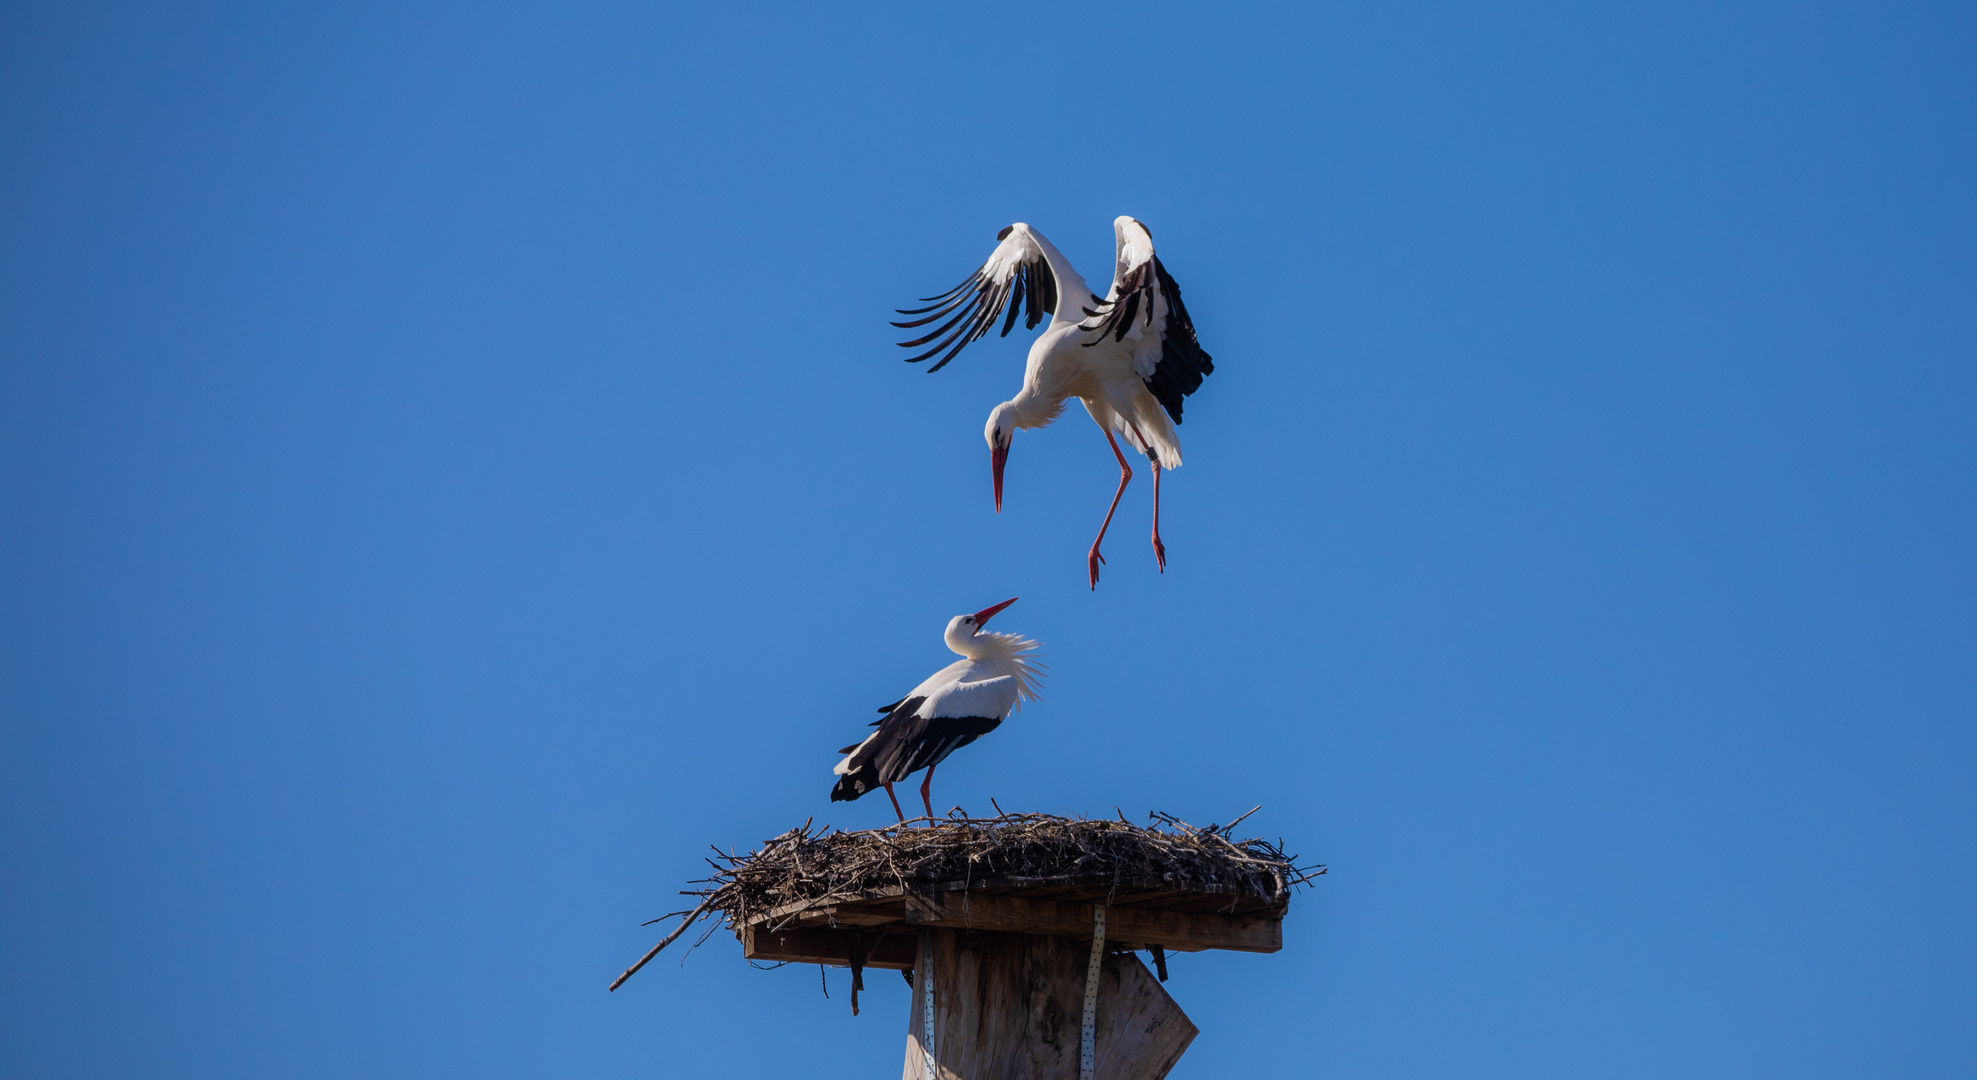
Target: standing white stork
<point x="955" y="706"/>
<point x="1130" y="357"/>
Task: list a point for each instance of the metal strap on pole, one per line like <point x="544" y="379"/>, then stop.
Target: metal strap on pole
<point x="926" y="980"/>
<point x="1087" y="1044"/>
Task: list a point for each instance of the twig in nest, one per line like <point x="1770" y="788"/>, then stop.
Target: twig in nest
<point x="1239" y="821"/>
<point x="663" y="942"/>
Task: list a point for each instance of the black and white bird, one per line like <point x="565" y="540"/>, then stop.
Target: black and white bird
<point x="1130" y="357"/>
<point x="955" y="706"/>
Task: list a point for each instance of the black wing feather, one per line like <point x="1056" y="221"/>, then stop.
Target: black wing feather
<point x="941" y="736"/>
<point x="906" y="742"/>
<point x="1183" y="362"/>
<point x="972" y="307"/>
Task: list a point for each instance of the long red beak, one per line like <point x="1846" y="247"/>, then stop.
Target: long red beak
<point x="998" y="455"/>
<point x="982" y="617"/>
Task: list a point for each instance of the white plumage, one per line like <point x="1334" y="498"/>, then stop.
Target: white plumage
<point x="952" y="708"/>
<point x="1130" y="358"/>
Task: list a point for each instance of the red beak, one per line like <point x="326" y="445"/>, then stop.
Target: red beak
<point x="998" y="455"/>
<point x="982" y="617"/>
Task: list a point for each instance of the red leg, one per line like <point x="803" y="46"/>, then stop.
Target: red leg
<point x="895" y="804"/>
<point x="926" y="789"/>
<point x="1125" y="476"/>
<point x="1153" y="456"/>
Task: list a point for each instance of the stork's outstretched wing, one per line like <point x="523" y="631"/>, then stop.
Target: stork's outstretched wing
<point x="1017" y="273"/>
<point x="1144" y="307"/>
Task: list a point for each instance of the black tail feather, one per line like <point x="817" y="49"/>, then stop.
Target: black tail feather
<point x="854" y="784"/>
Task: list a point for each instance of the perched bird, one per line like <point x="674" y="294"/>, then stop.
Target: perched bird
<point x="1130" y="357"/>
<point x="955" y="706"/>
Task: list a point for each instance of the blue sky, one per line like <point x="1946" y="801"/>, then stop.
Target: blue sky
<point x="454" y="468"/>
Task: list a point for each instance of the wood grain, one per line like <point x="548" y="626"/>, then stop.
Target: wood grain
<point x="817" y="945"/>
<point x="1182" y="930"/>
<point x="1130" y="892"/>
<point x="1008" y="1007"/>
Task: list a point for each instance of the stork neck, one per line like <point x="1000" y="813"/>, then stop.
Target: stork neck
<point x="964" y="643"/>
<point x="992" y="655"/>
<point x="1034" y="406"/>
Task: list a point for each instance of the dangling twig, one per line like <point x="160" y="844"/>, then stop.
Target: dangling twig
<point x="663" y="942"/>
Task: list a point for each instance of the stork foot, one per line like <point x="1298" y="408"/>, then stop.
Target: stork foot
<point x="1091" y="563"/>
<point x="1160" y="553"/>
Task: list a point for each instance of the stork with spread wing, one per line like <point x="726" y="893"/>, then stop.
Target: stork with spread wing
<point x="1130" y="357"/>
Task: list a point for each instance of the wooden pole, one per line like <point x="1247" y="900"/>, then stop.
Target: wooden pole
<point x="1009" y="1007"/>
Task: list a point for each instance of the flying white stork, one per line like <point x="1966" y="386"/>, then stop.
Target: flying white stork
<point x="955" y="706"/>
<point x="1130" y="357"/>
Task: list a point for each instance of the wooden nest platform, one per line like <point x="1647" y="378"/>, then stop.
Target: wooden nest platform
<point x="830" y="897"/>
<point x="1018" y="931"/>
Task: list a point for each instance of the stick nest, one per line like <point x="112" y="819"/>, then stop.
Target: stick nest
<point x="803" y="869"/>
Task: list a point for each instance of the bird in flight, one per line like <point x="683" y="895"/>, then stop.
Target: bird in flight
<point x="955" y="706"/>
<point x="1130" y="357"/>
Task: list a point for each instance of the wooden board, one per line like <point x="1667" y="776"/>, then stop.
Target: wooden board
<point x="1127" y="892"/>
<point x="812" y="945"/>
<point x="1180" y="930"/>
<point x="1010" y="1006"/>
<point x="861" y="913"/>
<point x="851" y="915"/>
<point x="871" y="908"/>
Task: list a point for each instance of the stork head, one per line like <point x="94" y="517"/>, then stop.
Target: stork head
<point x="962" y="628"/>
<point x="1000" y="432"/>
